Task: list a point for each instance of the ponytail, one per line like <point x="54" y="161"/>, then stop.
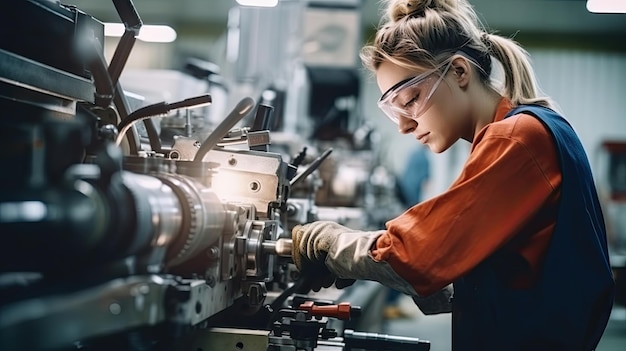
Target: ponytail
<point x="520" y="85"/>
<point x="421" y="34"/>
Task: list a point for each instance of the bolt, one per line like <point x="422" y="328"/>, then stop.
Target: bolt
<point x="292" y="210"/>
<point x="213" y="252"/>
<point x="210" y="281"/>
<point x="115" y="308"/>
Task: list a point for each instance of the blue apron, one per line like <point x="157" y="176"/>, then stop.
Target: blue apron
<point x="569" y="306"/>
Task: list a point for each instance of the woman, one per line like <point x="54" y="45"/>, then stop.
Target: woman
<point x="519" y="234"/>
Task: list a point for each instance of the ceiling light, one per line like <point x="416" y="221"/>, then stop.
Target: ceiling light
<point x="147" y="33"/>
<point x="606" y="6"/>
<point x="259" y="3"/>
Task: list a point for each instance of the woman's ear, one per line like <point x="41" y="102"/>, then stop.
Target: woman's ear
<point x="461" y="71"/>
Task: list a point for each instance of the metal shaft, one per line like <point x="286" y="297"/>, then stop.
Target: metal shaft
<point x="280" y="247"/>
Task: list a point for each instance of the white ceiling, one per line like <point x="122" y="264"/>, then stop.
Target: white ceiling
<point x="536" y="16"/>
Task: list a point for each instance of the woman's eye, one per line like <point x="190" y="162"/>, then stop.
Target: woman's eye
<point x="408" y="103"/>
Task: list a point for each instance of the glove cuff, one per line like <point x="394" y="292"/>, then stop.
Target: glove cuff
<point x="439" y="302"/>
<point x="350" y="257"/>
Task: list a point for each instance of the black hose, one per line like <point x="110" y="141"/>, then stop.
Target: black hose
<point x="158" y="109"/>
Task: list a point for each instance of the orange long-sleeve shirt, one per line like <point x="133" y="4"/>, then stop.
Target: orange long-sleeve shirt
<point x="506" y="198"/>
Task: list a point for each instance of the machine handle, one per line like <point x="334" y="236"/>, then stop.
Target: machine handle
<point x="341" y="311"/>
<point x="312" y="167"/>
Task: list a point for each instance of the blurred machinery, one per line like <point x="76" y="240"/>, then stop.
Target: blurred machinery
<point x="116" y="238"/>
<point x="612" y="170"/>
<point x="310" y="73"/>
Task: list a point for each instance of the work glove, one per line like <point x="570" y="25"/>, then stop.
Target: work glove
<point x="327" y="252"/>
<point x="439" y="302"/>
<point x="311" y="244"/>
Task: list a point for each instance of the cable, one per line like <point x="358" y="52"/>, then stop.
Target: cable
<point x="158" y="109"/>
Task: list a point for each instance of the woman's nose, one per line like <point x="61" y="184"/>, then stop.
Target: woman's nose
<point x="406" y="125"/>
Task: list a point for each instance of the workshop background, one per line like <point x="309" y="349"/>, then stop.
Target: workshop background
<point x="304" y="48"/>
<point x="579" y="58"/>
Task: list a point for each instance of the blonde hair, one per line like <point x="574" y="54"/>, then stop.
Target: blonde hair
<point x="421" y="34"/>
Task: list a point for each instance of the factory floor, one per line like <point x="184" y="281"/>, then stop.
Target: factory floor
<point x="437" y="328"/>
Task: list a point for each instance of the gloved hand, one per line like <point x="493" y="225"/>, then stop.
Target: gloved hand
<point x="311" y="243"/>
<point x="328" y="253"/>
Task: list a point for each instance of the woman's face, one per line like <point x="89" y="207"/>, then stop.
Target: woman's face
<point x="430" y="107"/>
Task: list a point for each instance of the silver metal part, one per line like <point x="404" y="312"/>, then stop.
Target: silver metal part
<point x="115" y="306"/>
<point x="227" y="339"/>
<point x="237" y="218"/>
<point x="280" y="247"/>
<point x="242" y="109"/>
<point x="250" y="177"/>
<point x="184" y="148"/>
<point x="257" y="263"/>
<point x="205" y="219"/>
<point x="258" y="138"/>
<point x="157" y="201"/>
<point x="203" y="301"/>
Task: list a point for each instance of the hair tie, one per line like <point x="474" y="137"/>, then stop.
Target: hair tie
<point x="407" y="9"/>
<point x="485" y="38"/>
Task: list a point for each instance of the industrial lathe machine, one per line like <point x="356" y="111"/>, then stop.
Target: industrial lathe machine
<point x="110" y="245"/>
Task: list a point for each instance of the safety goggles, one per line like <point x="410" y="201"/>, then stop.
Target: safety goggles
<point x="410" y="98"/>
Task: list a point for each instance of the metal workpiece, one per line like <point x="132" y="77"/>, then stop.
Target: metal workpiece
<point x="374" y="341"/>
<point x="280" y="247"/>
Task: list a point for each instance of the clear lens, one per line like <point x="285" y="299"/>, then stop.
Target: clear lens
<point x="412" y="98"/>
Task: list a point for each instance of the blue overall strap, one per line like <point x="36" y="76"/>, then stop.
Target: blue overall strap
<point x="569" y="305"/>
<point x="576" y="268"/>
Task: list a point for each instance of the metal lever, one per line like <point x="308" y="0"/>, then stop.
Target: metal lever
<point x="237" y="114"/>
<point x="258" y="136"/>
<point x="262" y="118"/>
<point x="312" y="167"/>
<point x="132" y="24"/>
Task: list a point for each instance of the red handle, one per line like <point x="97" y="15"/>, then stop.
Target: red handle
<point x="341" y="311"/>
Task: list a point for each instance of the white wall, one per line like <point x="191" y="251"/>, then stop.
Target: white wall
<point x="590" y="88"/>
